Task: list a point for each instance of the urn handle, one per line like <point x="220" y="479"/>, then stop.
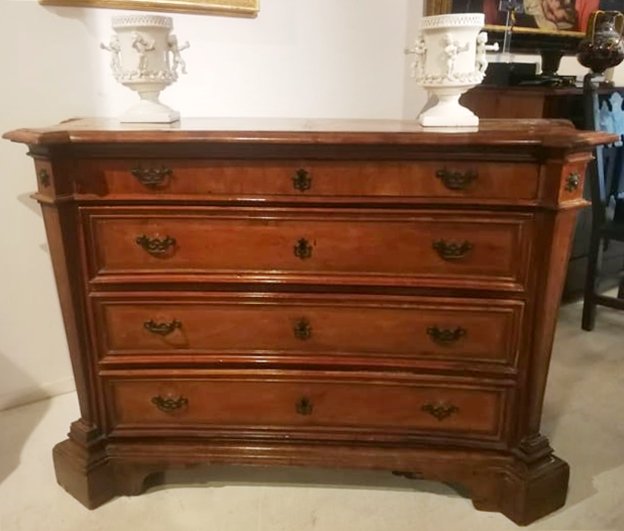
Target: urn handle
<point x="157" y="247"/>
<point x="452" y="250"/>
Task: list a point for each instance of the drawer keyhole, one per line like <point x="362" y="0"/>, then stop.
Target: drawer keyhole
<point x="304" y="406"/>
<point x="303" y="249"/>
<point x="302" y="329"/>
<point x="302" y="180"/>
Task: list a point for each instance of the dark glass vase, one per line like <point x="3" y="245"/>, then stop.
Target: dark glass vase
<point x="602" y="46"/>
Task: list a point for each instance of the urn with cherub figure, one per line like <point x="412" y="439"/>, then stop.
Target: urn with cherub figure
<point x="146" y="57"/>
<point x="450" y="58"/>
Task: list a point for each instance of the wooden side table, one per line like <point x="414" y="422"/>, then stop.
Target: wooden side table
<point x="550" y="102"/>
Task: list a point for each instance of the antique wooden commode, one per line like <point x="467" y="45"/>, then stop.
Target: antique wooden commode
<point x="358" y="294"/>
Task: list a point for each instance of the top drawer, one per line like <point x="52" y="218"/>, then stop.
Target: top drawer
<point x="299" y="180"/>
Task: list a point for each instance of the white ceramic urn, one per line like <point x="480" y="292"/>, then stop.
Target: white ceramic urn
<point x="145" y="57"/>
<point x="450" y="58"/>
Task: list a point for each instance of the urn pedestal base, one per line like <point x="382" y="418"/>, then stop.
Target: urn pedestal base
<point x="448" y="113"/>
<point x="150" y="112"/>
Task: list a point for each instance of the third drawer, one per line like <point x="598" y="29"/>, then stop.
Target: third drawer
<point x="308" y="329"/>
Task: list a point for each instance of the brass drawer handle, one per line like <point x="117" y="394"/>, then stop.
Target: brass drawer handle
<point x="452" y="250"/>
<point x="446" y="336"/>
<point x="302" y="180"/>
<point x="303" y="249"/>
<point x="440" y="410"/>
<point x="169" y="404"/>
<point x="156" y="246"/>
<point x="457" y="180"/>
<point x="162" y="329"/>
<point x="152" y="177"/>
<point x="304" y="406"/>
<point x="302" y="329"/>
<point x="572" y="181"/>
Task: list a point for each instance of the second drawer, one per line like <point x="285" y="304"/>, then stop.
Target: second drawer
<point x="305" y="329"/>
<point x="365" y="247"/>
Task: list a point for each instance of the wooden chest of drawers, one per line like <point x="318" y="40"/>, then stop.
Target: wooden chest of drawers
<point x="349" y="294"/>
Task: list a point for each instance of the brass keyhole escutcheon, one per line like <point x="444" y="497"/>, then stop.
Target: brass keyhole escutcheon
<point x="572" y="182"/>
<point x="302" y="180"/>
<point x="303" y="249"/>
<point x="44" y="178"/>
<point x="304" y="406"/>
<point x="302" y="329"/>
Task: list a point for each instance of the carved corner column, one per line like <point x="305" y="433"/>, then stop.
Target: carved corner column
<point x="80" y="461"/>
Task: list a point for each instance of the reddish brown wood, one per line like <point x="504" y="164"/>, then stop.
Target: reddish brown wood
<point x="277" y="179"/>
<point x="269" y="329"/>
<point x="228" y="346"/>
<point x="366" y="246"/>
<point x="327" y="405"/>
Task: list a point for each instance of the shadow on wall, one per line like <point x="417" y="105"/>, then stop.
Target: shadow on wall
<point x="32" y="205"/>
<point x="17" y="423"/>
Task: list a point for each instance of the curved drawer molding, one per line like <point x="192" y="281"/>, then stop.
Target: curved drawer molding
<point x="309" y="246"/>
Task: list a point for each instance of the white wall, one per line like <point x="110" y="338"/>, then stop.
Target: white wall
<point x="313" y="58"/>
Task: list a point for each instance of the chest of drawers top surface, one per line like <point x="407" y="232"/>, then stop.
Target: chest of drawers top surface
<point x="305" y="131"/>
<point x="312" y="292"/>
<point x="343" y="162"/>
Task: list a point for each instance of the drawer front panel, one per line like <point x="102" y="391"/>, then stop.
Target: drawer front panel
<point x="217" y="403"/>
<point x="261" y="329"/>
<point x="303" y="179"/>
<point x="366" y="246"/>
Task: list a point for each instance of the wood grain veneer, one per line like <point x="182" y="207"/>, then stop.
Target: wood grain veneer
<point x="359" y="294"/>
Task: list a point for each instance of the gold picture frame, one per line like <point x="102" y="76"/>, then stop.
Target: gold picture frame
<point x="248" y="8"/>
<point x="441" y="7"/>
<point x="524" y="39"/>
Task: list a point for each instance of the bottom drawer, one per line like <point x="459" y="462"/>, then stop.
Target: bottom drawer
<point x="346" y="402"/>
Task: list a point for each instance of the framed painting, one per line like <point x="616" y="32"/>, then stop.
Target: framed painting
<point x="214" y="7"/>
<point x="537" y="24"/>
